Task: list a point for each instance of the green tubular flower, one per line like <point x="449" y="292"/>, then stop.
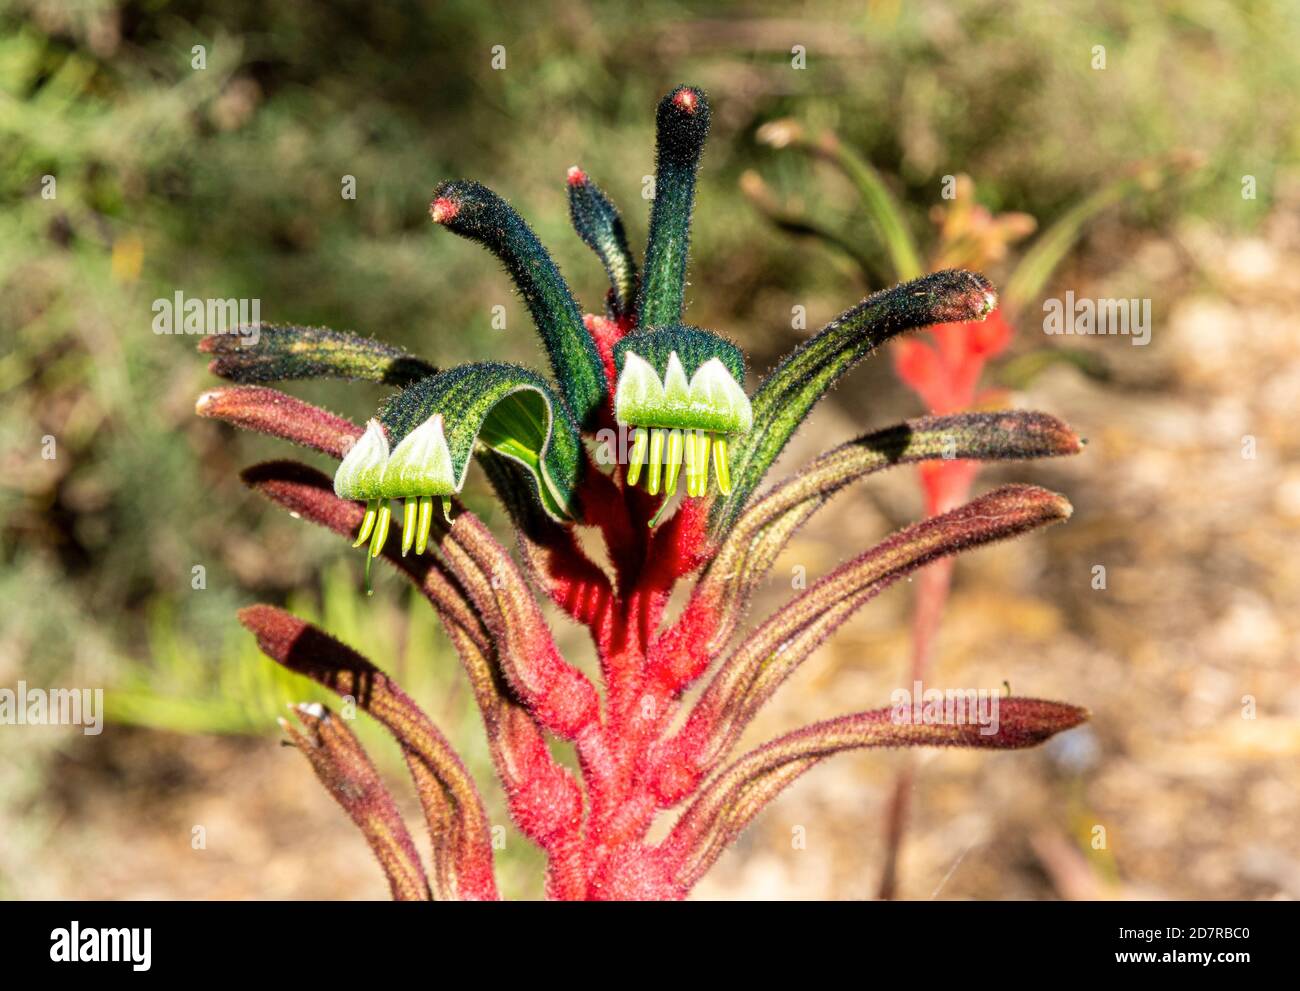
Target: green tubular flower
<point x="679" y="389"/>
<point x="438" y="423"/>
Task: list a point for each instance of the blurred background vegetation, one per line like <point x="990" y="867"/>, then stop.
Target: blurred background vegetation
<point x="224" y="181"/>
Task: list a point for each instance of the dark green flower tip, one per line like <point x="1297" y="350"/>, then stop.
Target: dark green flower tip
<point x="473" y="211"/>
<point x="693" y="346"/>
<point x="682" y="125"/>
<point x="281" y="353"/>
<point x="681" y="390"/>
<point x="950" y="296"/>
<point x="598" y="223"/>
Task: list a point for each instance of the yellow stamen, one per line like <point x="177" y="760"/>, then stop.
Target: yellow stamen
<point x="640" y="441"/>
<point x="380" y="536"/>
<point x="426" y="521"/>
<point x="656" y="460"/>
<point x="410" y="511"/>
<point x="722" y="465"/>
<point x="674" y="462"/>
<point x="688" y="440"/>
<point x="702" y="463"/>
<point x="367" y="523"/>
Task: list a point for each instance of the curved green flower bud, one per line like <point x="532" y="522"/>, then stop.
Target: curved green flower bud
<point x="268" y="353"/>
<point x="512" y="410"/>
<point x="598" y="223"/>
<point x="680" y="390"/>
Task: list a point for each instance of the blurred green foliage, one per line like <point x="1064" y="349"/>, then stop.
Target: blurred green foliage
<point x="225" y="181"/>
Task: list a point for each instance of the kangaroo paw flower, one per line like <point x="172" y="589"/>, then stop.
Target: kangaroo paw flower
<point x="679" y="390"/>
<point x="691" y="437"/>
<point x="441" y="421"/>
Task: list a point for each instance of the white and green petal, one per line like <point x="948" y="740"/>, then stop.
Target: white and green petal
<point x="360" y="474"/>
<point x="640" y="392"/>
<point x="719" y="398"/>
<point x="420" y="468"/>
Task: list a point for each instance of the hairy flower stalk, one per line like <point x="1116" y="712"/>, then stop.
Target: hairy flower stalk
<point x="678" y="393"/>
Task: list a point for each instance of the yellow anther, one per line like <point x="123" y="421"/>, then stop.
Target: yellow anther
<point x="636" y="458"/>
<point x="656" y="460"/>
<point x="721" y="465"/>
<point x="702" y="463"/>
<point x="673" y="466"/>
<point x="367" y="523"/>
<point x="426" y="521"/>
<point x="410" y="510"/>
<point x="382" y="521"/>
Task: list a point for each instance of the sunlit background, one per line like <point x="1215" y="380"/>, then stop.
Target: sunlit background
<point x="225" y="181"/>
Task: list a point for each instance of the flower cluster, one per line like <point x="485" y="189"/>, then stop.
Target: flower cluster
<point x="681" y="392"/>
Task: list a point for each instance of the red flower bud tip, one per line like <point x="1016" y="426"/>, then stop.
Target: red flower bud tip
<point x="686" y="99"/>
<point x="576" y="176"/>
<point x="443" y="210"/>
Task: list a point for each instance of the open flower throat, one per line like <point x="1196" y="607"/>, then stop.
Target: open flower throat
<point x="679" y="389"/>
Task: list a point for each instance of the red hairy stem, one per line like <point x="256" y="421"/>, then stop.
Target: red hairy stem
<point x="557" y="694"/>
<point x="269" y="411"/>
<point x="758" y="666"/>
<point x="560" y="695"/>
<point x="552" y="556"/>
<point x="732" y="799"/>
<point x="543" y="798"/>
<point x="458" y="826"/>
<point x="348" y="774"/>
